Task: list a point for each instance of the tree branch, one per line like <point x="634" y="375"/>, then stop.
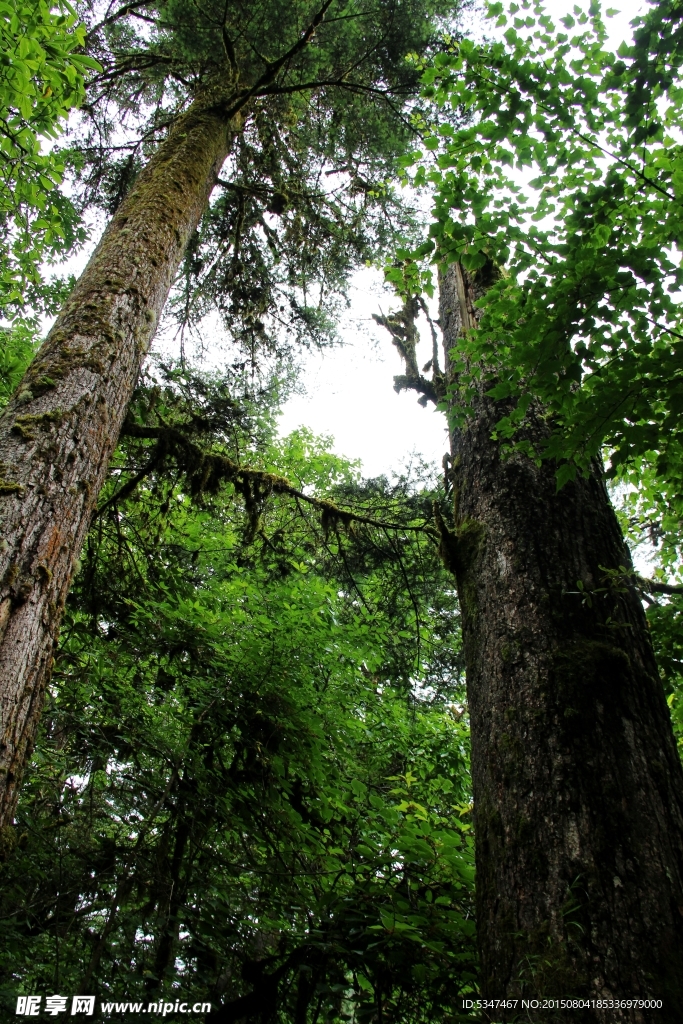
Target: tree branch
<point x="207" y="472"/>
<point x="655" y="587"/>
<point x="404" y="334"/>
<point x="422" y="385"/>
<point x="273" y="67"/>
<point x="121" y="13"/>
<point x="227" y="43"/>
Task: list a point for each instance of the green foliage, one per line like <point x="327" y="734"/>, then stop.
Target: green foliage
<point x="252" y="782"/>
<point x="307" y="194"/>
<point x="17" y="346"/>
<point x="569" y="180"/>
<point x="650" y="515"/>
<point x="567" y="175"/>
<point x="41" y="79"/>
<point x="665" y="624"/>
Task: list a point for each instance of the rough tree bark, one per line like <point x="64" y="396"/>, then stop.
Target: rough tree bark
<point x="578" y="788"/>
<point x="58" y="433"/>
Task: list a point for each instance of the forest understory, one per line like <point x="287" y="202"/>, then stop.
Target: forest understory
<point x="281" y="743"/>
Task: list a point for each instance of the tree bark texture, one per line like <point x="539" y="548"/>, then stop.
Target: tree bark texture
<point x="58" y="433"/>
<point x="578" y="787"/>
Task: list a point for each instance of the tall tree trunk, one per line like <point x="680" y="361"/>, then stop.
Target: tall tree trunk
<point x="59" y="431"/>
<point x="578" y="787"/>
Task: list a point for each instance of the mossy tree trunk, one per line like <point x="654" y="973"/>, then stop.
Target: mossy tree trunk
<point x="58" y="433"/>
<point x="578" y="788"/>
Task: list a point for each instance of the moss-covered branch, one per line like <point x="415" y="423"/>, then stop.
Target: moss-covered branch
<point x="207" y="472"/>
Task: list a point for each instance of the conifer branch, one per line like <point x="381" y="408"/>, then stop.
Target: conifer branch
<point x="403" y="330"/>
<point x="273" y="67"/>
<point x="227" y="43"/>
<point x="116" y="16"/>
<point x="206" y="473"/>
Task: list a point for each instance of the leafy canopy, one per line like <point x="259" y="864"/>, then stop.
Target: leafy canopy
<point x="41" y="80"/>
<point x="251" y="783"/>
<point x="569" y="176"/>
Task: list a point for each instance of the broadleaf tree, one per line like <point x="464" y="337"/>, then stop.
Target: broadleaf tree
<point x="41" y="80"/>
<point x="250" y="786"/>
<point x="561" y="324"/>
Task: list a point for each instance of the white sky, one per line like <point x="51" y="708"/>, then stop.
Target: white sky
<point x="349" y="391"/>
